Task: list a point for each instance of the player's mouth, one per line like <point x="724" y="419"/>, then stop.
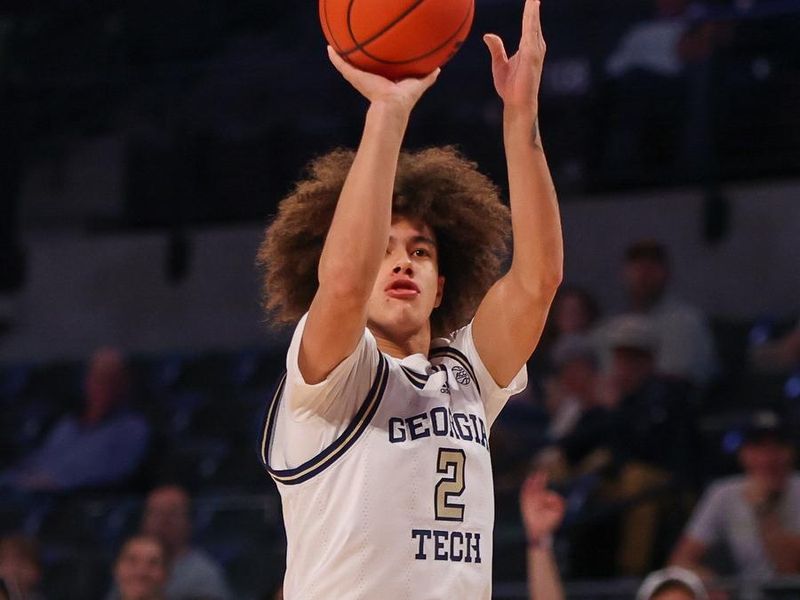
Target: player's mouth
<point x="402" y="289"/>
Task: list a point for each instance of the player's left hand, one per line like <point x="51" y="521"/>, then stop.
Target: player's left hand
<point x="542" y="509"/>
<point x="517" y="79"/>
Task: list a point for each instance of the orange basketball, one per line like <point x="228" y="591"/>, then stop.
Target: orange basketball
<point x="396" y="38"/>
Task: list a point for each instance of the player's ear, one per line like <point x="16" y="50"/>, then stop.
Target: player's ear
<point x="439" y="291"/>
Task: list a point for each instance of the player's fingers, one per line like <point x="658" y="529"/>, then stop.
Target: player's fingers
<point x="338" y="62"/>
<point x="333" y="56"/>
<point x="431" y="78"/>
<point x="496" y="49"/>
<point x="531" y="21"/>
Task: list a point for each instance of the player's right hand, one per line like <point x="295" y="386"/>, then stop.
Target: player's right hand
<point x="402" y="95"/>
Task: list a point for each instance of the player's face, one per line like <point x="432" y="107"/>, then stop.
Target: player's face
<point x="408" y="286"/>
<point x="141" y="570"/>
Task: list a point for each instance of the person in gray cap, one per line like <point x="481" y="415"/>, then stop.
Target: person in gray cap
<point x="756" y="514"/>
<point x="672" y="583"/>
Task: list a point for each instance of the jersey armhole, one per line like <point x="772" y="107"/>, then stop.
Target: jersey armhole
<point x="340" y="445"/>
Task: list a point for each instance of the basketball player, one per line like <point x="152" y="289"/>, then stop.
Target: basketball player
<point x="408" y="344"/>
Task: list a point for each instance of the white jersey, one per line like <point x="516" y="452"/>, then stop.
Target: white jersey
<point x="385" y="475"/>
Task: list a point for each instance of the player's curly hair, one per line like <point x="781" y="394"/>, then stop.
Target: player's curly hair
<point x="437" y="186"/>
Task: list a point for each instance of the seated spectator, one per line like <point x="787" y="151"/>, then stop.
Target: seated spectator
<point x="542" y="513"/>
<point x="782" y="354"/>
<point x="755" y="515"/>
<point x="580" y="423"/>
<point x="20" y="566"/>
<point x="193" y="574"/>
<point x="685" y="346"/>
<point x="141" y="569"/>
<point x="102" y="446"/>
<point x="653" y="425"/>
<point x="657" y="117"/>
<point x="522" y="428"/>
<point x="653" y="446"/>
<point x="574" y="313"/>
<point x="672" y="583"/>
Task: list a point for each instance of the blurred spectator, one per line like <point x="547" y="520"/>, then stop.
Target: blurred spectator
<point x="141" y="569"/>
<point x="654" y="423"/>
<point x="658" y="106"/>
<point x="580" y="422"/>
<point x="755" y="515"/>
<point x="542" y="513"/>
<point x="20" y="566"/>
<point x="574" y="388"/>
<point x="104" y="445"/>
<point x="653" y="443"/>
<point x="655" y="46"/>
<point x="685" y="345"/>
<point x="574" y="313"/>
<point x="672" y="583"/>
<point x="193" y="574"/>
<point x="778" y="355"/>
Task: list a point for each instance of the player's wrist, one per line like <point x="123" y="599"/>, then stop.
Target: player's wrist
<point x="518" y="117"/>
<point x="388" y="108"/>
<point x="521" y="129"/>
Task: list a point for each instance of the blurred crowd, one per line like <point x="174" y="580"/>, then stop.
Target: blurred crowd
<point x="620" y="414"/>
<point x="669" y="437"/>
<point x="627" y="415"/>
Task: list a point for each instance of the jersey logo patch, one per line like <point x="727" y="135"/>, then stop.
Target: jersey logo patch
<point x="461" y="375"/>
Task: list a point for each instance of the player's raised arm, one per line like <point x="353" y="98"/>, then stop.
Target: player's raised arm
<point x="356" y="241"/>
<point x="509" y="321"/>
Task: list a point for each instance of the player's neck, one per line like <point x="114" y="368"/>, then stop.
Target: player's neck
<point x="400" y="346"/>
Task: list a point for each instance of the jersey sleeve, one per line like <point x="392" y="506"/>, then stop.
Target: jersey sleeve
<point x="494" y="397"/>
<point x="311" y="416"/>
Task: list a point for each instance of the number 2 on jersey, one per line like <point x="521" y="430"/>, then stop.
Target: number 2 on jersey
<point x="450" y="462"/>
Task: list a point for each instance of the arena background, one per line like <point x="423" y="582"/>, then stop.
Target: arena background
<point x="145" y="145"/>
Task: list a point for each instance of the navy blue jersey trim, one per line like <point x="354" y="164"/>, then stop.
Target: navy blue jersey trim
<point x="418" y="380"/>
<point x="459" y="357"/>
<point x="263" y="449"/>
<point x="344" y="442"/>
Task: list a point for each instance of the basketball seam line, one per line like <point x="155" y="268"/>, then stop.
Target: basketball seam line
<point x="327" y="26"/>
<point x="375" y="36"/>
<point x="416" y="58"/>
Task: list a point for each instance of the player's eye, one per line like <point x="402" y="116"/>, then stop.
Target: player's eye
<point x="421" y="252"/>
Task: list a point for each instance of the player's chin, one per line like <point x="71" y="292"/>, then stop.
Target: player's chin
<point x="407" y="317"/>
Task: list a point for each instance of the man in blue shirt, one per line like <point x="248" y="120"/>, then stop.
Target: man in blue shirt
<point x="102" y="446"/>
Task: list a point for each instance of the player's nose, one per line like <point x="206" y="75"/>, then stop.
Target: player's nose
<point x="403" y="265"/>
